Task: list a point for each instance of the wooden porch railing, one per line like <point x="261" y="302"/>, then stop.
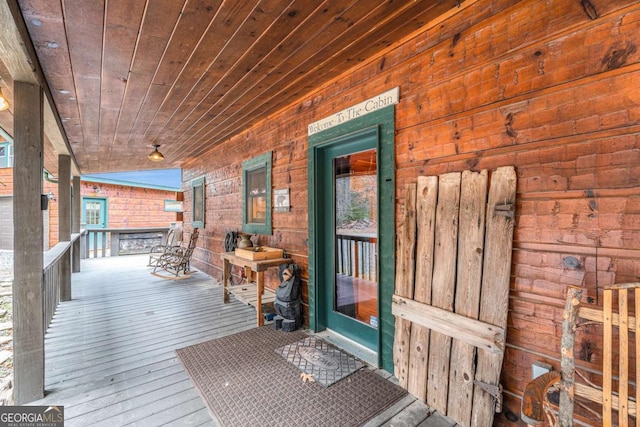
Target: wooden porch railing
<point x="52" y="276"/>
<point x="91" y="244"/>
<point x="104" y="242"/>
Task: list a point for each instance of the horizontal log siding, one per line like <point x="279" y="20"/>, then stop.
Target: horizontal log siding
<point x="533" y="84"/>
<point x="6" y="181"/>
<point x="128" y="207"/>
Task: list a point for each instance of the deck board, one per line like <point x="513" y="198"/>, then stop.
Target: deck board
<point x="110" y="352"/>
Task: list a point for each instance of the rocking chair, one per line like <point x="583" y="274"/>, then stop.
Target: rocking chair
<point x="174" y="240"/>
<point x="176" y="260"/>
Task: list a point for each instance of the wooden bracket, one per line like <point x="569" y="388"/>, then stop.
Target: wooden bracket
<point x="494" y="390"/>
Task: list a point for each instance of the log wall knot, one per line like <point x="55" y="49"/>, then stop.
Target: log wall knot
<point x="589" y="9"/>
<point x="508" y="124"/>
<point x="618" y="55"/>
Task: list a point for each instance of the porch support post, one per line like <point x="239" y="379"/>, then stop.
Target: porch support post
<point x="28" y="316"/>
<point x="76" y="206"/>
<point x="64" y="223"/>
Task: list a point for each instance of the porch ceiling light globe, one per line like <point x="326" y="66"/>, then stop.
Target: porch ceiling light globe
<point x="155" y="155"/>
<point x="4" y="104"/>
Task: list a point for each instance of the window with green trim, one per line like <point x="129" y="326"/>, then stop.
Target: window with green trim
<point x="6" y="155"/>
<point x="256" y="194"/>
<point x="198" y="206"/>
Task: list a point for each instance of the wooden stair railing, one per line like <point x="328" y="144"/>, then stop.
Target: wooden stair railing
<point x="611" y="399"/>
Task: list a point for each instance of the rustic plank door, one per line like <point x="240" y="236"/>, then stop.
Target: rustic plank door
<point x="452" y="291"/>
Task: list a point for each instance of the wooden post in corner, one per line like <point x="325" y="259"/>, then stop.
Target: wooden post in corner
<point x="405" y="275"/>
<point x="28" y="315"/>
<point x="567" y="364"/>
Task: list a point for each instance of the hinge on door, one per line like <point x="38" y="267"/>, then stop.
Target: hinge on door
<point x="507" y="210"/>
<point x="494" y="390"/>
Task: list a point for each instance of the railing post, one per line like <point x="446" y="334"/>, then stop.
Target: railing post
<point x="64" y="222"/>
<point x="115" y="243"/>
<point x="76" y="208"/>
<point x="103" y="241"/>
<point x="84" y="242"/>
<point x="76" y="255"/>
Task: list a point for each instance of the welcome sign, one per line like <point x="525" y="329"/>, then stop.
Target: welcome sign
<point x="385" y="99"/>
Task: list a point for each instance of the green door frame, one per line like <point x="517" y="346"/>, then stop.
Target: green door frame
<point x="103" y="219"/>
<point x="383" y="121"/>
<point x="325" y="248"/>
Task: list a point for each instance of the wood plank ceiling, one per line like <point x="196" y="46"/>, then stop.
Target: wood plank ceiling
<point x="189" y="74"/>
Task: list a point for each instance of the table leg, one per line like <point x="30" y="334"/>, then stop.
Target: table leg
<point x="247" y="274"/>
<point x="259" y="291"/>
<point x="225" y="281"/>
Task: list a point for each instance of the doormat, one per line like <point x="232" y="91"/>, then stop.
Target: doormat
<point x="319" y="360"/>
<point x="244" y="382"/>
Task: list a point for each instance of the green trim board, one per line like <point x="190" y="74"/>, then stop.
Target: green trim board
<point x="250" y="167"/>
<point x="384" y="121"/>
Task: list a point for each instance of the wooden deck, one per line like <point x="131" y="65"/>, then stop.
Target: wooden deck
<point x="110" y="358"/>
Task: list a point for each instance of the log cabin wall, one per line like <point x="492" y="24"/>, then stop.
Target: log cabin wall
<point x="550" y="87"/>
<point x="6" y="181"/>
<point x="127" y="206"/>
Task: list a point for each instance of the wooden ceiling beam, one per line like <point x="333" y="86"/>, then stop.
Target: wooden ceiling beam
<point x="47" y="34"/>
<point x="19" y="56"/>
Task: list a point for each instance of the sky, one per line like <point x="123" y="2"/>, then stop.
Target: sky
<point x="161" y="177"/>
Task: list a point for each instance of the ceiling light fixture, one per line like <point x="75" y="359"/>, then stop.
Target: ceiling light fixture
<point x="155" y="155"/>
<point x="4" y="103"/>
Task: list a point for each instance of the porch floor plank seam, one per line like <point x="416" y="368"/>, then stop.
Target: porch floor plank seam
<point x="110" y="352"/>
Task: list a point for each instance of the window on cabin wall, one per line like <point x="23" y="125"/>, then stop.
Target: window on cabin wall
<point x="6" y="155"/>
<point x="256" y="194"/>
<point x="198" y="198"/>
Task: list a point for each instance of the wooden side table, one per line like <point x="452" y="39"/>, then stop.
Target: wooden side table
<point x="259" y="266"/>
